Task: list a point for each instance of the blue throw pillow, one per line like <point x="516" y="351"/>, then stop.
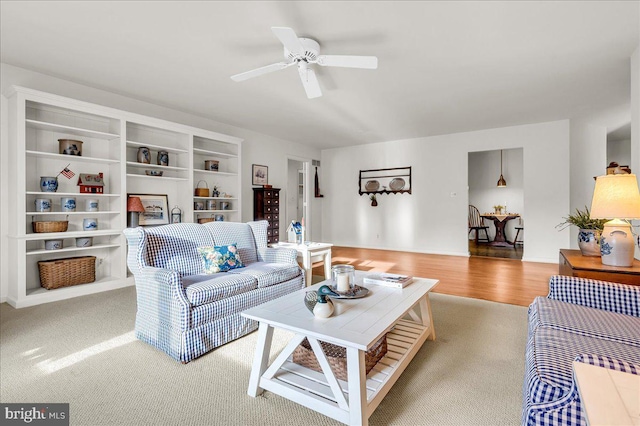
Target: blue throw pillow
<point x="220" y="258"/>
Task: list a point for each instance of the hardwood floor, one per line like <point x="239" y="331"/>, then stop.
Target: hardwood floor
<point x="499" y="280"/>
<point x="486" y="250"/>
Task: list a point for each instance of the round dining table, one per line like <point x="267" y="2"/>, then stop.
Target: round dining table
<point x="499" y="221"/>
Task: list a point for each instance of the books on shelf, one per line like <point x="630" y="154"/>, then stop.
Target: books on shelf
<point x="389" y="280"/>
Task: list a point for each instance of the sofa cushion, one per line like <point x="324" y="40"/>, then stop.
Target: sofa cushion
<point x="175" y="247"/>
<point x="209" y="312"/>
<point x="549" y="357"/>
<point x="226" y="233"/>
<point x="268" y="274"/>
<point x="220" y="258"/>
<point x="584" y="320"/>
<point x="201" y="289"/>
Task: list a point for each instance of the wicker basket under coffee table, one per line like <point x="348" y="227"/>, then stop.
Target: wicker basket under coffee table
<point x="337" y="356"/>
<point x="399" y="317"/>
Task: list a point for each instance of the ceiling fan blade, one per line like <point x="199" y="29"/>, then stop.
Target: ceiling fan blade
<point x="259" y="71"/>
<point x="368" y="62"/>
<point x="290" y="40"/>
<point x="310" y="82"/>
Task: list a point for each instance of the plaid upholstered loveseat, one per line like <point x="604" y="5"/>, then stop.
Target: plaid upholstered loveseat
<point x="594" y="322"/>
<point x="187" y="313"/>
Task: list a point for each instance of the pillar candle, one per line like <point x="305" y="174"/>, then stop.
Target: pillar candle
<point x="343" y="282"/>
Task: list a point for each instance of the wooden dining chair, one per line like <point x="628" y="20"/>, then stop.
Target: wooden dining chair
<point x="476" y="224"/>
<point x="519" y="228"/>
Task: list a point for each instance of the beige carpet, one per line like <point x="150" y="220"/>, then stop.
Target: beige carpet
<point x="82" y="351"/>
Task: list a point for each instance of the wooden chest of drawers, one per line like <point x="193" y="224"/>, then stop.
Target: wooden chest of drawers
<point x="266" y="206"/>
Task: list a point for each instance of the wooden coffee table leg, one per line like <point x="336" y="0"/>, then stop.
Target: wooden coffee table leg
<point x="427" y="317"/>
<point x="356" y="374"/>
<point x="261" y="359"/>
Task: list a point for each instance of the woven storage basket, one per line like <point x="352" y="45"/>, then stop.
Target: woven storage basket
<point x="52" y="226"/>
<point x="202" y="192"/>
<point x="337" y="356"/>
<point x="206" y="219"/>
<point x="67" y="272"/>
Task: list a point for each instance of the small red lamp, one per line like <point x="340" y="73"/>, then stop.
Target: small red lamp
<point x="134" y="207"/>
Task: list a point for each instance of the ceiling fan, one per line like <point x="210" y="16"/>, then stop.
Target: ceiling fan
<point x="303" y="52"/>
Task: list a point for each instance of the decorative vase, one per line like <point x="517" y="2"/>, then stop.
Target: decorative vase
<point x="68" y="204"/>
<point x="48" y="183"/>
<point x="211" y="165"/>
<point x="144" y="155"/>
<point x="163" y="158"/>
<point x="589" y="242"/>
<point x="70" y="147"/>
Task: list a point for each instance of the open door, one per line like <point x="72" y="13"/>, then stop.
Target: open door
<point x="297" y="195"/>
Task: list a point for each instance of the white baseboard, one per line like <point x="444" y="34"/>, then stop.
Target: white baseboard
<point x="443" y="253"/>
<point x="540" y="260"/>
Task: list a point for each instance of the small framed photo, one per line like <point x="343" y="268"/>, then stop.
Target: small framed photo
<point x="259" y="174"/>
<point x="156" y="209"/>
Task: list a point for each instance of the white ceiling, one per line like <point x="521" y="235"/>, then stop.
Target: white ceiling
<point x="444" y="67"/>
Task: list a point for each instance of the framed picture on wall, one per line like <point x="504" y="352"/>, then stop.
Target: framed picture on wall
<point x="259" y="174"/>
<point x="156" y="209"/>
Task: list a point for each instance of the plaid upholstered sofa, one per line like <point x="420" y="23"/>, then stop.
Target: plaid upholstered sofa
<point x="183" y="311"/>
<point x="590" y="321"/>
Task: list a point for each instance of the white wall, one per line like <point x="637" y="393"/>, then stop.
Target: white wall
<point x="484" y="171"/>
<point x="257" y="148"/>
<point x="588" y="159"/>
<point x="4" y="222"/>
<point x="635" y="125"/>
<point x="619" y="151"/>
<point x="433" y="219"/>
<point x="292" y="197"/>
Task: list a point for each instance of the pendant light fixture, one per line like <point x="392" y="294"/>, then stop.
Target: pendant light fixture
<point x="501" y="182"/>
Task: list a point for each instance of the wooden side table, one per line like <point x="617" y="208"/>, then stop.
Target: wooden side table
<point x="574" y="264"/>
<point x="308" y="251"/>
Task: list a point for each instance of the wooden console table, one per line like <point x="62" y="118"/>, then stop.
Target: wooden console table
<point x="574" y="264"/>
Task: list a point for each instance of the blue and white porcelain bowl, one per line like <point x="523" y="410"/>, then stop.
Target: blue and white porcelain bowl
<point x="43" y="204"/>
<point x="48" y="183"/>
<point x="52" y="244"/>
<point x="84" y="241"/>
<point x="90" y="224"/>
<point x="68" y="204"/>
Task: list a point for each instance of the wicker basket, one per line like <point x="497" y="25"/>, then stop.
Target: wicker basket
<point x="206" y="219"/>
<point x="67" y="272"/>
<point x="52" y="226"/>
<point x="202" y="192"/>
<point x="337" y="356"/>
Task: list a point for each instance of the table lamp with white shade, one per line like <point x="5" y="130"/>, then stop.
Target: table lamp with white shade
<point x="616" y="197"/>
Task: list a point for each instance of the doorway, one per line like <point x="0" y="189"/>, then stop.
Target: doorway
<point x="501" y="208"/>
<point x="297" y="205"/>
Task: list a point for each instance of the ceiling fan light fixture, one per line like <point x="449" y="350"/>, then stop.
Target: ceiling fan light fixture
<point x="303" y="52"/>
<point x="501" y="182"/>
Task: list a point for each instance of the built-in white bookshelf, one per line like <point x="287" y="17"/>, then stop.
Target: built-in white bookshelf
<point x="110" y="139"/>
<point x="226" y="180"/>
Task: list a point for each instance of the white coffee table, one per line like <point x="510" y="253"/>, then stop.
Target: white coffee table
<point x="403" y="314"/>
<point x="609" y="397"/>
<point x="308" y="251"/>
